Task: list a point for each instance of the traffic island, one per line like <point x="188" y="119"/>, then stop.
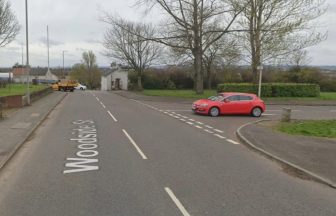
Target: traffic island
<point x="311" y="157"/>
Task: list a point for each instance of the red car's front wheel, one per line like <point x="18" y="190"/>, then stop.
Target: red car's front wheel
<point x="214" y="111"/>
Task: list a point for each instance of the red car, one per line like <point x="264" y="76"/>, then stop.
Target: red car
<point x="230" y="103"/>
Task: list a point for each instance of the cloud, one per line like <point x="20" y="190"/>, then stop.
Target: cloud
<point x="51" y="42"/>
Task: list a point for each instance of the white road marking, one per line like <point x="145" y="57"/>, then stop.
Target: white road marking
<point x="177" y="202"/>
<point x="217" y="135"/>
<point x="165" y="113"/>
<point x="199" y="127"/>
<point x="103" y="105"/>
<point x="183" y="120"/>
<point x="219" y="131"/>
<point x="208" y="131"/>
<point x="200" y="123"/>
<point x="112" y="116"/>
<point x="178" y="110"/>
<point x="233" y="142"/>
<point x="135" y="145"/>
<point x="190" y="123"/>
<point x="207" y="126"/>
<point x="191" y="120"/>
<point x="281" y="110"/>
<point x="97" y="99"/>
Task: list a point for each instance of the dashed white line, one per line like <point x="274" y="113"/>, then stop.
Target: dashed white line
<point x="97" y="99"/>
<point x="135" y="145"/>
<point x="103" y="105"/>
<point x="199" y="127"/>
<point x="190" y="123"/>
<point x="191" y="120"/>
<point x="217" y="135"/>
<point x="233" y="142"/>
<point x="183" y="120"/>
<point x="112" y="116"/>
<point x="219" y="131"/>
<point x="177" y="202"/>
<point x="201" y="123"/>
<point x="208" y="131"/>
<point x="207" y="126"/>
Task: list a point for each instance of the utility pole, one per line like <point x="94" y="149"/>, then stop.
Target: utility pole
<point x="27" y="56"/>
<point x="48" y="47"/>
<point x="260" y="68"/>
<point x="63" y="63"/>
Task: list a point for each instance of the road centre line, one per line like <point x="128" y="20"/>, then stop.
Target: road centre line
<point x="233" y="142"/>
<point x="219" y="131"/>
<point x="191" y="120"/>
<point x="201" y="123"/>
<point x="135" y="145"/>
<point x="217" y="135"/>
<point x="207" y="126"/>
<point x="112" y="116"/>
<point x="177" y="202"/>
<point x="190" y="123"/>
<point x="199" y="127"/>
<point x="103" y="105"/>
<point x="183" y="120"/>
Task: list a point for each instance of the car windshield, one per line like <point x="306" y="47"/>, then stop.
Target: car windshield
<point x="216" y="98"/>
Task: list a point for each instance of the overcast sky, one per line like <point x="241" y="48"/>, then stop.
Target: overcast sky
<point x="74" y="26"/>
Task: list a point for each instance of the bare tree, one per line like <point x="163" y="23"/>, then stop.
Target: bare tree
<point x="222" y="53"/>
<point x="9" y="25"/>
<point x="276" y="28"/>
<point x="193" y="26"/>
<point x="87" y="71"/>
<point x="124" y="42"/>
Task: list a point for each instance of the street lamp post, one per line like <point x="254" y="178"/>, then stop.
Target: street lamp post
<point x="27" y="56"/>
<point x="63" y="62"/>
<point x="260" y="68"/>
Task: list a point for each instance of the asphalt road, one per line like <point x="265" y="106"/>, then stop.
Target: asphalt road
<point x="102" y="154"/>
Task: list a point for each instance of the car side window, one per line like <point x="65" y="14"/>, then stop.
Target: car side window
<point x="245" y="98"/>
<point x="233" y="98"/>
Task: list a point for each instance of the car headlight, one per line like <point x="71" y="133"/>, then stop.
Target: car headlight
<point x="203" y="105"/>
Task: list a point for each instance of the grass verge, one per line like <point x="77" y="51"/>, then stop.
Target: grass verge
<point x="19" y="89"/>
<point x="318" y="128"/>
<point x="207" y="93"/>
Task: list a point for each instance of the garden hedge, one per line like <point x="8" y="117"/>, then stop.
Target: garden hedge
<point x="273" y="89"/>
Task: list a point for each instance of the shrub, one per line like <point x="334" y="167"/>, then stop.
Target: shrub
<point x="266" y="89"/>
<point x="273" y="89"/>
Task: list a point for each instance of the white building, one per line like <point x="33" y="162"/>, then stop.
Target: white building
<point x="115" y="79"/>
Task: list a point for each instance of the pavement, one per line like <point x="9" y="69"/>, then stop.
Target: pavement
<point x="16" y="128"/>
<point x="313" y="157"/>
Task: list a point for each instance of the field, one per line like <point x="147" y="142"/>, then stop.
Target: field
<point x="19" y="89"/>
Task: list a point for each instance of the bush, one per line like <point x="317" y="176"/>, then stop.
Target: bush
<point x="273" y="89"/>
<point x="266" y="89"/>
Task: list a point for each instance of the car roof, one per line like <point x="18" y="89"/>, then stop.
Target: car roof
<point x="236" y="93"/>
